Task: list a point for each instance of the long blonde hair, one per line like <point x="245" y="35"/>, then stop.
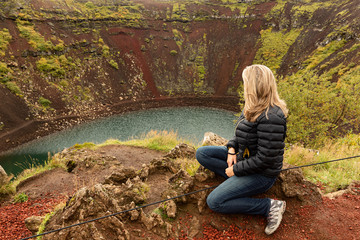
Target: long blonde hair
<point x="260" y="92"/>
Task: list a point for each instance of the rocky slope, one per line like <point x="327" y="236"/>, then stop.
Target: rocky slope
<point x="125" y="187"/>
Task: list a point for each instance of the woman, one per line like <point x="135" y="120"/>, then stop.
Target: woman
<point x="253" y="159"/>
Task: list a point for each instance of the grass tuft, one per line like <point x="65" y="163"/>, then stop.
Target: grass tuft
<point x="156" y="140"/>
<point x="333" y="176"/>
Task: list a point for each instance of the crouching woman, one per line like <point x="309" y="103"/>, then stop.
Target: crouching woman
<point x="253" y="158"/>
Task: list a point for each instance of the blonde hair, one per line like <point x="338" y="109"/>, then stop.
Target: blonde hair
<point x="260" y="92"/>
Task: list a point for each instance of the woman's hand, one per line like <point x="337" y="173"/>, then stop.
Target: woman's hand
<point x="231" y="160"/>
<point x="229" y="171"/>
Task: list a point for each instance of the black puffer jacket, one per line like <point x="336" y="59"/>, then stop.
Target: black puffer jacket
<point x="264" y="139"/>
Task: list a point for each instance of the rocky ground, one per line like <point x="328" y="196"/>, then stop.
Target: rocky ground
<point x="114" y="178"/>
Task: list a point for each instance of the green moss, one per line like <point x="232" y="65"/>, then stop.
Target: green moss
<point x="114" y="64"/>
<point x="44" y="102"/>
<point x="55" y="66"/>
<point x="88" y="145"/>
<point x="201" y="71"/>
<point x="178" y="38"/>
<point x="14" y="88"/>
<point x="235" y="5"/>
<point x="274" y="46"/>
<point x="310" y="7"/>
<point x="179" y="13"/>
<point x="321" y="53"/>
<point x="21" y="197"/>
<point x="5" y="73"/>
<point x="105" y="50"/>
<point x="5" y="38"/>
<point x="173" y="52"/>
<point x="35" y="39"/>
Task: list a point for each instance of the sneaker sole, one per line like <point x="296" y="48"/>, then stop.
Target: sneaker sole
<point x="280" y="219"/>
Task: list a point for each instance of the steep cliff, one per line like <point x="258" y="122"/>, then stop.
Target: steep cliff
<point x="76" y="58"/>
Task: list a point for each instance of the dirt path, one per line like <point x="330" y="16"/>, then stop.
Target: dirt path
<point x="329" y="219"/>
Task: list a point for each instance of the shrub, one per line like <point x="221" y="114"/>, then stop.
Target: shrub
<point x="274" y="46"/>
<point x="319" y="108"/>
<point x="21" y="197"/>
<point x="51" y="66"/>
<point x="5" y="37"/>
<point x="35" y="39"/>
<point x="114" y="64"/>
<point x="14" y="88"/>
<point x="44" y="102"/>
<point x="5" y="73"/>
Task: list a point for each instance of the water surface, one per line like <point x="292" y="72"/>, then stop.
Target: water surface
<point x="190" y="123"/>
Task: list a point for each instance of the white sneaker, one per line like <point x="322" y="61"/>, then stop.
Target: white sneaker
<point x="277" y="209"/>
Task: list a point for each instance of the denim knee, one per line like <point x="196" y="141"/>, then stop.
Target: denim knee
<point x="200" y="153"/>
<point x="212" y="203"/>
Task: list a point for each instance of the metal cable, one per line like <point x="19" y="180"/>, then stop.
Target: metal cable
<point x="168" y="199"/>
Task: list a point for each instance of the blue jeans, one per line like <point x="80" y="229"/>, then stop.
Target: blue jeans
<point x="233" y="195"/>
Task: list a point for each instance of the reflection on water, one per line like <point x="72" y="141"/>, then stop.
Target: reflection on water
<point x="189" y="122"/>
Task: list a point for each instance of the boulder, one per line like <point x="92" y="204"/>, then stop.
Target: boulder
<point x="92" y="202"/>
<point x="3" y="176"/>
<point x="33" y="223"/>
<point x="292" y="184"/>
<point x="212" y="139"/>
<point x="170" y="208"/>
<point x="120" y="176"/>
<point x="180" y="183"/>
<point x="182" y="151"/>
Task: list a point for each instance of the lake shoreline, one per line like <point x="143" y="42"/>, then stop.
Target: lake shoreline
<point x="35" y="129"/>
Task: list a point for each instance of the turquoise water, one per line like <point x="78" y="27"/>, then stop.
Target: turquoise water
<point x="190" y="123"/>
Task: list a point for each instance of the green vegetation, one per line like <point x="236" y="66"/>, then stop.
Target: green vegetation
<point x="161" y="212"/>
<point x="44" y="102"/>
<point x="173" y="52"/>
<point x="55" y="66"/>
<point x="114" y="64"/>
<point x="141" y="189"/>
<point x="21" y="197"/>
<point x="274" y="46"/>
<point x="6" y="78"/>
<point x="318" y="105"/>
<point x="88" y="145"/>
<point x="189" y="165"/>
<point x="35" y="39"/>
<point x="309" y="7"/>
<point x="48" y="216"/>
<point x="5" y="73"/>
<point x="332" y="176"/>
<point x="179" y="39"/>
<point x="5" y="37"/>
<point x="201" y="71"/>
<point x="179" y="13"/>
<point x="14" y="88"/>
<point x="321" y="53"/>
<point x="161" y="141"/>
<point x="235" y="5"/>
